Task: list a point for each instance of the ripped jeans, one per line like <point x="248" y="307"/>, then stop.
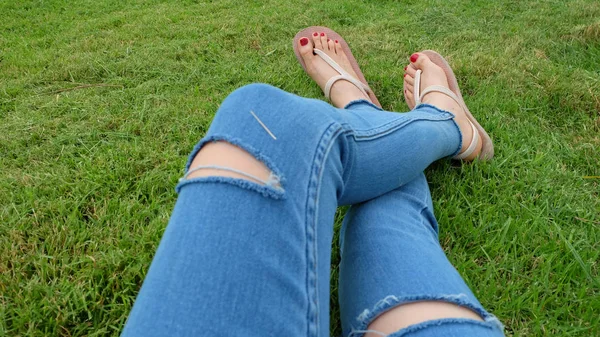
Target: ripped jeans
<point x="243" y="258"/>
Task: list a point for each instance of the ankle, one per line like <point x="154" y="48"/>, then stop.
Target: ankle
<point x="344" y="92"/>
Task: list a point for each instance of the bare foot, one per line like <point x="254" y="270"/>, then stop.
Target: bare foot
<point x="434" y="75"/>
<point x="342" y="92"/>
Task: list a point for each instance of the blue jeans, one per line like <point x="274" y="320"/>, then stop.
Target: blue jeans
<point x="240" y="258"/>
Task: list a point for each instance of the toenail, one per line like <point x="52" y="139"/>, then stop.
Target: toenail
<point x="328" y="39"/>
<point x="414" y="57"/>
<point x="336" y="41"/>
<point x="303" y="41"/>
<point x="405" y="75"/>
<point x="405" y="68"/>
<point x="322" y="34"/>
<point x="315" y="34"/>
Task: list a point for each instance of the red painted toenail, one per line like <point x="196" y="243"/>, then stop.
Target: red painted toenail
<point x="405" y="75"/>
<point x="328" y="39"/>
<point x="414" y="57"/>
<point x="322" y="34"/>
<point x="315" y="34"/>
<point x="303" y="41"/>
<point x="336" y="41"/>
<point x="405" y="68"/>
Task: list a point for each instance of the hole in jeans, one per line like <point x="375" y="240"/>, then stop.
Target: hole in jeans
<point x="222" y="159"/>
<point x="409" y="314"/>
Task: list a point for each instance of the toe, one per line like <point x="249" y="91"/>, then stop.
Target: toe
<point x="410" y="71"/>
<point x="317" y="40"/>
<point x="331" y="46"/>
<point x="305" y="47"/>
<point x="338" y="47"/>
<point x="419" y="60"/>
<point x="408" y="94"/>
<point x="409" y="79"/>
<point x="323" y="37"/>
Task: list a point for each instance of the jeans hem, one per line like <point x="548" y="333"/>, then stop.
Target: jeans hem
<point x="362" y="101"/>
<point x="460" y="141"/>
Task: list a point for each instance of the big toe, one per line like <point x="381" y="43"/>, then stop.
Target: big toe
<point x="305" y="47"/>
<point x="420" y="61"/>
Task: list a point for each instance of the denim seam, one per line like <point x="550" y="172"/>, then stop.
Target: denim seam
<point x="312" y="201"/>
<point x="437" y="322"/>
<point x="389" y="127"/>
<point x="434" y="231"/>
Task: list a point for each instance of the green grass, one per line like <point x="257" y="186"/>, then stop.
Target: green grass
<point x="88" y="174"/>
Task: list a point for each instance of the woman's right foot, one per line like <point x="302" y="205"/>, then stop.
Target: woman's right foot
<point x="431" y="74"/>
<point x="342" y="92"/>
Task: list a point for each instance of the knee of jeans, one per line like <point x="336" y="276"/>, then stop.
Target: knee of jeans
<point x="227" y="160"/>
<point x="254" y="94"/>
<point x="257" y="107"/>
<point x="371" y="321"/>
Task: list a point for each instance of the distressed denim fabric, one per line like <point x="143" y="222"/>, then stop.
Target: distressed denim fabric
<point x="241" y="258"/>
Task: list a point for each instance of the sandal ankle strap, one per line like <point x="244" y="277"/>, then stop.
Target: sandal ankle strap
<point x="343" y="75"/>
<point x="441" y="89"/>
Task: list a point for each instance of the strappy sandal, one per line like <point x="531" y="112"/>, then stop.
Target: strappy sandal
<point x="360" y="83"/>
<point x="479" y="134"/>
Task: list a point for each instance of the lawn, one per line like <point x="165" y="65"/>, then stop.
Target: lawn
<point x="101" y="101"/>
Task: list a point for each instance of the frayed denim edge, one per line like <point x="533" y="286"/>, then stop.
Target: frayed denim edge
<point x="367" y="316"/>
<point x="268" y="191"/>
<point x="437" y="322"/>
<point x="460" y="141"/>
<point x="359" y="101"/>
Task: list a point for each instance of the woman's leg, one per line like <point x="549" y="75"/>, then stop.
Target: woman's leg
<point x="395" y="277"/>
<point x="245" y="257"/>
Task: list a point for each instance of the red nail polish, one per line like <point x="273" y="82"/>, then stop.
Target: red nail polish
<point x="414" y="57"/>
<point x="328" y="39"/>
<point x="405" y="68"/>
<point x="405" y="75"/>
<point x="303" y="41"/>
<point x="322" y="34"/>
<point x="315" y="34"/>
<point x="336" y="41"/>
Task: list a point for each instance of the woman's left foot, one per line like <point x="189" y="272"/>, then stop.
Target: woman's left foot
<point x="433" y="75"/>
<point x="342" y="91"/>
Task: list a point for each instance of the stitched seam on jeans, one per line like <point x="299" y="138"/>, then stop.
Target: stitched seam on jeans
<point x="442" y="115"/>
<point x="387" y="128"/>
<point x="314" y="185"/>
